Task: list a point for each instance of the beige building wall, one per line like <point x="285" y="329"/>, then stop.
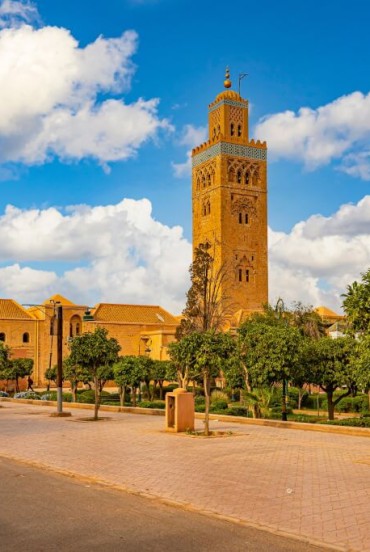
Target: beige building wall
<point x="139" y="329"/>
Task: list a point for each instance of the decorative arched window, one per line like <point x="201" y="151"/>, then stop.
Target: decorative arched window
<point x="247" y="275"/>
<point x="239" y="177"/>
<point x="198" y="184"/>
<point x="246" y="218"/>
<point x="232" y="130"/>
<point x="240" y="218"/>
<point x="208" y="179"/>
<point x="26" y="337"/>
<point x="75" y="326"/>
<point x="2" y="336"/>
<point x="246" y="178"/>
<point x="240" y="275"/>
<point x="203" y="181"/>
<point x="239" y="130"/>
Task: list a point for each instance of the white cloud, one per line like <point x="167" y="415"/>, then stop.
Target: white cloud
<point x="319" y="257"/>
<point x="357" y="164"/>
<point x="14" y="13"/>
<point x="123" y="254"/>
<point x="51" y="98"/>
<point x="316" y="137"/>
<point x="191" y="136"/>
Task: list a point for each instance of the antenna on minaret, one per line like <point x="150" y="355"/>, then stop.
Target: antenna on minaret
<point x="241" y="77"/>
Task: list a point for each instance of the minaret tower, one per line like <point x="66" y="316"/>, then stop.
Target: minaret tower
<point x="229" y="196"/>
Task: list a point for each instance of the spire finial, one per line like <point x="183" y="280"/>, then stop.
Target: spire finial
<point x="227" y="81"/>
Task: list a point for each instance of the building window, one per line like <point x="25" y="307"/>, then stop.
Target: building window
<point x="75" y="326"/>
<point x="208" y="179"/>
<point x="247" y="275"/>
<point x="2" y="336"/>
<point x="246" y="178"/>
<point x="26" y="337"/>
<point x="240" y="275"/>
<point x="239" y="177"/>
<point x="240" y="218"/>
<point x="246" y="219"/>
<point x="239" y="130"/>
<point x="232" y="129"/>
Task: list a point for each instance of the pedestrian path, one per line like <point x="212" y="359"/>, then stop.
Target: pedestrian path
<point x="309" y="485"/>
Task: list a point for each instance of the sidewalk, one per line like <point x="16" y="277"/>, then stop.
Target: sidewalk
<point x="310" y="485"/>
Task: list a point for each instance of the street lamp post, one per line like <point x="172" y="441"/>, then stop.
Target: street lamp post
<point x="59" y="311"/>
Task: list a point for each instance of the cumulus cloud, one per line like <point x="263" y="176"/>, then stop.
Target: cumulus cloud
<point x="319" y="257"/>
<point x="191" y="136"/>
<point x="122" y="253"/>
<point x="52" y="104"/>
<point x="339" y="130"/>
<point x="16" y="12"/>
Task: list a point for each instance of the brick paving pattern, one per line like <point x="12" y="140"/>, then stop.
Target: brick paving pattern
<point x="311" y="485"/>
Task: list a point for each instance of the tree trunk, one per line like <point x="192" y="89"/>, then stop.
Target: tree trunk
<point x="300" y="396"/>
<point x="121" y="392"/>
<point x="329" y="394"/>
<point x="161" y="390"/>
<point x="207" y="392"/>
<point x="74" y="391"/>
<point x="256" y="411"/>
<point x="17" y="384"/>
<point x="133" y="395"/>
<point x="97" y="398"/>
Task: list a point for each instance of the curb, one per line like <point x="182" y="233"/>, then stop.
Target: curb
<point x="186" y="506"/>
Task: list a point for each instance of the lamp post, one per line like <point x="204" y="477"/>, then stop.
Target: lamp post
<point x="59" y="311"/>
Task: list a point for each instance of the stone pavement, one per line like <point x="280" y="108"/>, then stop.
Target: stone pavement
<point x="309" y="485"/>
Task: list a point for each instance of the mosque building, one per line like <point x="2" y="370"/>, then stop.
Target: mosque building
<point x="229" y="202"/>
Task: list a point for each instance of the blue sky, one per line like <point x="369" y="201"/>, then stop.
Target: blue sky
<point x="314" y="57"/>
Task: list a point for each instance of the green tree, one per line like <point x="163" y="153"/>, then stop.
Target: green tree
<point x="146" y="365"/>
<point x="4" y="362"/>
<point x="19" y="368"/>
<point x="307" y="320"/>
<point x="203" y="354"/>
<point x="97" y="354"/>
<point x="127" y="373"/>
<point x="356" y="303"/>
<point x="74" y="373"/>
<point x="267" y="350"/>
<point x="330" y="364"/>
<point x="182" y="354"/>
<point x="51" y="375"/>
<point x="161" y="369"/>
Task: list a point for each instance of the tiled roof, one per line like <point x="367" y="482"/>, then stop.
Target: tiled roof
<point x="133" y="314"/>
<point x="58" y="298"/>
<point x="12" y="309"/>
<point x="327" y="313"/>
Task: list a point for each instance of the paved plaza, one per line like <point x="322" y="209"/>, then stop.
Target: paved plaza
<point x="314" y="486"/>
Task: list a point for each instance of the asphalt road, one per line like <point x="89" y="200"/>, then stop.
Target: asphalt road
<point x="44" y="512"/>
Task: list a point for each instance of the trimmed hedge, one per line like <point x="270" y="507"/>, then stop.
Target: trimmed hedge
<point x="351" y="422"/>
